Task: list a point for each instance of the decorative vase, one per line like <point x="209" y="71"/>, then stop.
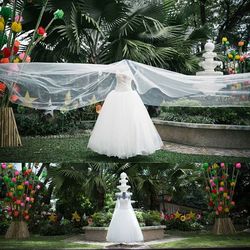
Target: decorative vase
<point x="17" y="230"/>
<point x="223" y="226"/>
<point x="9" y="135"/>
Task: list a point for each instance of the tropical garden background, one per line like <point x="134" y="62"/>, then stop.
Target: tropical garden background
<point x="166" y="34"/>
<point x="63" y="198"/>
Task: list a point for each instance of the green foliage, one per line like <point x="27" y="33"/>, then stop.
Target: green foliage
<point x="4" y="224"/>
<point x="32" y="122"/>
<point x="188" y="225"/>
<point x="101" y="219"/>
<point x="152" y="218"/>
<point x="237" y="116"/>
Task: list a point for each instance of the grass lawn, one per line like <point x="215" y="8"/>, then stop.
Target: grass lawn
<point x="208" y="240"/>
<point x="43" y="242"/>
<point x="43" y="149"/>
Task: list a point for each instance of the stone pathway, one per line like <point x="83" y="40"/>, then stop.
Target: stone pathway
<point x="185" y="149"/>
<point x="108" y="245"/>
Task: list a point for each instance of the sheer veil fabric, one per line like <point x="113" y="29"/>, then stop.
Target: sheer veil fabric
<point x="66" y="86"/>
<point x="124" y="128"/>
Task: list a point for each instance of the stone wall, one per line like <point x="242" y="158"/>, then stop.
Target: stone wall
<point x="204" y="135"/>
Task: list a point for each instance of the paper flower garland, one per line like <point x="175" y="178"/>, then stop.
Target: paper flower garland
<point x="9" y="46"/>
<point x="221" y="180"/>
<point x="21" y="187"/>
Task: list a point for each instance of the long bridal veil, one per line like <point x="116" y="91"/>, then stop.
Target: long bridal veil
<point x="66" y="86"/>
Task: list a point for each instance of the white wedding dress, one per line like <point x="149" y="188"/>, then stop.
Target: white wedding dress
<point x="124" y="227"/>
<point x="124" y="128"/>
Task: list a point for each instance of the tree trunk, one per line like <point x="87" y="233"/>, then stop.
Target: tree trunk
<point x="17" y="230"/>
<point x="9" y="135"/>
<point x="223" y="226"/>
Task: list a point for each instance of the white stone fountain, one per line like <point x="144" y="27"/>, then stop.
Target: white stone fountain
<point x="209" y="64"/>
<point x="123" y="187"/>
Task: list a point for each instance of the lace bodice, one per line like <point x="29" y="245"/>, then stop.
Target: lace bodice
<point x="123" y="84"/>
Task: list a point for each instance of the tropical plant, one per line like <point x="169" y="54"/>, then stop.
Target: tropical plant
<point x="110" y="30"/>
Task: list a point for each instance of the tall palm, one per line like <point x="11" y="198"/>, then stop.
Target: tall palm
<point x="109" y="30"/>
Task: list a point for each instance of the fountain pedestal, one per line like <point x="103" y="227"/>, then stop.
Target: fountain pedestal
<point x="209" y="64"/>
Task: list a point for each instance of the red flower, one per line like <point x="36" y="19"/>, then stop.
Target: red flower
<point x="211" y="204"/>
<point x="30" y="187"/>
<point x="214" y="191"/>
<point x="15" y="49"/>
<point x="41" y="31"/>
<point x="2" y="87"/>
<point x="6" y="52"/>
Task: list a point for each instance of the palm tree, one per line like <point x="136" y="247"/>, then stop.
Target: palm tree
<point x="109" y="30"/>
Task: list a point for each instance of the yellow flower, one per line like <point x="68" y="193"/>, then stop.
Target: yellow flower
<point x="225" y="195"/>
<point x="16" y="60"/>
<point x="215" y="166"/>
<point x="10" y="165"/>
<point x="16" y="27"/>
<point x="232" y="184"/>
<point x="226" y="209"/>
<point x="1" y="26"/>
<point x="177" y="215"/>
<point x="222" y="183"/>
<point x="224" y="39"/>
<point x="20" y="187"/>
<point x="230" y="56"/>
<point x="183" y="218"/>
<point x="2" y="20"/>
<point x="237" y="57"/>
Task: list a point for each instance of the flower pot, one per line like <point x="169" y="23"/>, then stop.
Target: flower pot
<point x="223" y="226"/>
<point x="9" y="135"/>
<point x="17" y="230"/>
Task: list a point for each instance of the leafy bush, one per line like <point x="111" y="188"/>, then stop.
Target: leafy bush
<point x="101" y="219"/>
<point x="237" y="116"/>
<point x="32" y="122"/>
<point x="4" y="224"/>
<point x="183" y="225"/>
<point x="152" y="218"/>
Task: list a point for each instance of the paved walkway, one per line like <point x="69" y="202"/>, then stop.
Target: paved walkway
<point x="107" y="245"/>
<point x="185" y="149"/>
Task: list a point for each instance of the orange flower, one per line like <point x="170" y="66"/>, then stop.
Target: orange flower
<point x="4" y="60"/>
<point x="241" y="43"/>
<point x="98" y="108"/>
<point x="14" y="98"/>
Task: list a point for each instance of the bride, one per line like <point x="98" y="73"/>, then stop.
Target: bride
<point x="124" y="128"/>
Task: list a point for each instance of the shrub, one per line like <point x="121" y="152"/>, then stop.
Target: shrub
<point x="101" y="219"/>
<point x="152" y="218"/>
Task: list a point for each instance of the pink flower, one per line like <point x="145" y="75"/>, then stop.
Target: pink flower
<point x="28" y="199"/>
<point x="13" y="179"/>
<point x="238" y="165"/>
<point x="16" y="172"/>
<point x="220" y="208"/>
<point x="22" y="204"/>
<point x="38" y="187"/>
<point x="18" y="18"/>
<point x="4" y="165"/>
<point x="222" y="165"/>
<point x="221" y="189"/>
<point x="26" y="183"/>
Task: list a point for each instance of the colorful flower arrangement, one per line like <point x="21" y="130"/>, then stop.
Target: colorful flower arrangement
<point x="221" y="180"/>
<point x="18" y="191"/>
<point x="184" y="221"/>
<point x="236" y="58"/>
<point x="10" y="28"/>
<point x="185" y="216"/>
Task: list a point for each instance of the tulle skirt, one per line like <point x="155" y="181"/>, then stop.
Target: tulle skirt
<point x="124" y="127"/>
<point x="124" y="227"/>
